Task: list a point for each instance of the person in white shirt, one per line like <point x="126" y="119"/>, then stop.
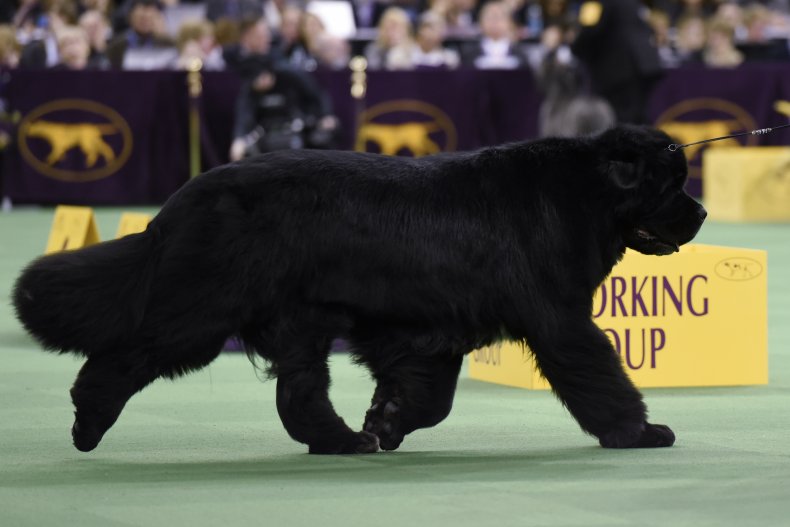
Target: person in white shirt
<point x="429" y="52"/>
<point x="496" y="49"/>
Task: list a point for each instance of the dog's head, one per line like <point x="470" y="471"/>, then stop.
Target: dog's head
<point x="652" y="209"/>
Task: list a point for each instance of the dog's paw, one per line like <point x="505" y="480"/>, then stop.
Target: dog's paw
<point x="384" y="420"/>
<point x="646" y="435"/>
<point x="85" y="436"/>
<point x="352" y="443"/>
<point x="656" y="436"/>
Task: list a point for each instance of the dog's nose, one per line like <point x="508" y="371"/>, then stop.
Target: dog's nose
<point x="702" y="213"/>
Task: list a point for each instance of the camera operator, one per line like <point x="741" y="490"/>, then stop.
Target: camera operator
<point x="279" y="109"/>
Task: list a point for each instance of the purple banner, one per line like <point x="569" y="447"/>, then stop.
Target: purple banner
<point x="696" y="104"/>
<point x="121" y="137"/>
<point x="97" y="138"/>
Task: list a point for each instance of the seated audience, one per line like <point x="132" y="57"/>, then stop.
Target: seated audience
<point x="293" y="46"/>
<point x="391" y="49"/>
<point x="720" y="49"/>
<point x="459" y="16"/>
<point x="331" y="52"/>
<point x="9" y="47"/>
<point x="73" y="49"/>
<point x="143" y="45"/>
<point x="40" y="49"/>
<point x="233" y="9"/>
<point x="196" y="41"/>
<point x="496" y="49"/>
<point x="690" y="40"/>
<point x="97" y="28"/>
<point x="428" y="50"/>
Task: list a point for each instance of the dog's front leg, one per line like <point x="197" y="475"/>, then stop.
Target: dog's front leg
<point x="587" y="375"/>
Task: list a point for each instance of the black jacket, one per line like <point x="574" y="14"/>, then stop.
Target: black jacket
<point x="619" y="46"/>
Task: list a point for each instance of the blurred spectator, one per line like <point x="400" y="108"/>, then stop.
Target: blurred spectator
<point x="332" y="52"/>
<point x="196" y="41"/>
<point x="497" y="48"/>
<point x="30" y="20"/>
<point x="720" y="49"/>
<point x="254" y="47"/>
<point x="233" y="9"/>
<point x="391" y="49"/>
<point x="143" y="45"/>
<point x="9" y="47"/>
<point x="556" y="13"/>
<point x="368" y="12"/>
<point x="659" y="22"/>
<point x="680" y="9"/>
<point x="459" y="15"/>
<point x="102" y="6"/>
<point x="761" y="42"/>
<point x="41" y="49"/>
<point x="74" y="49"/>
<point x="690" y="40"/>
<point x="97" y="28"/>
<point x="292" y="44"/>
<point x="617" y="46"/>
<point x="732" y="14"/>
<point x="428" y="50"/>
<point x="280" y="109"/>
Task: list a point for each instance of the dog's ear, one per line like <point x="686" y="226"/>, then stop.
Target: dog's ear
<point x="627" y="151"/>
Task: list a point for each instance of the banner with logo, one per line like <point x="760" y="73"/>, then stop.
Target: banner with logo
<point x="97" y="138"/>
<point x="695" y="104"/>
<point x="121" y="137"/>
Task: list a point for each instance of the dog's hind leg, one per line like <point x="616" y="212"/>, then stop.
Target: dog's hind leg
<point x="300" y="357"/>
<point x="103" y="386"/>
<point x="106" y="382"/>
<point x="414" y="390"/>
<point x="587" y="375"/>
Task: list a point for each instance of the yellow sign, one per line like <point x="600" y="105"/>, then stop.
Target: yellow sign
<point x="747" y="184"/>
<point x="75" y="140"/>
<point x="72" y="228"/>
<point x="131" y="223"/>
<point x="696" y="318"/>
<point x="406" y="126"/>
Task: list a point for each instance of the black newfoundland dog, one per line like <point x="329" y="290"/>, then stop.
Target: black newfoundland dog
<point x="416" y="262"/>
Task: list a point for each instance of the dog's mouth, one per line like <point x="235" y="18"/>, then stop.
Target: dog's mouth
<point x="647" y="241"/>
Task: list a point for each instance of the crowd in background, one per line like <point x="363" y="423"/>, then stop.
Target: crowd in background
<point x="393" y="34"/>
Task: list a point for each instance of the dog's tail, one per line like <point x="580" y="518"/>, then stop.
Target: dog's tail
<point x="90" y="300"/>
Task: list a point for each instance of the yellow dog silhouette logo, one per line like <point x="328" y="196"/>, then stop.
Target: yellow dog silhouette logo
<point x="50" y="133"/>
<point x="62" y="137"/>
<point x="419" y="129"/>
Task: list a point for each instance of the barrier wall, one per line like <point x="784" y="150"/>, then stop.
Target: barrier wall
<point x="122" y="137"/>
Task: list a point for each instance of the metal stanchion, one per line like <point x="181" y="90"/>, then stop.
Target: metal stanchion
<point x="195" y="84"/>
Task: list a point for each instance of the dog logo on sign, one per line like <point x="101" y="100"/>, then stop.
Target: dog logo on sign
<point x="405" y="127"/>
<point x="75" y="140"/>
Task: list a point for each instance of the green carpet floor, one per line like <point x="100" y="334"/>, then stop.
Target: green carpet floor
<point x="209" y="448"/>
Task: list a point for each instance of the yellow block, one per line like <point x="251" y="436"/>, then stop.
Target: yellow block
<point x="72" y="228"/>
<point x="747" y="184"/>
<point x="696" y="318"/>
<point x="131" y="223"/>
